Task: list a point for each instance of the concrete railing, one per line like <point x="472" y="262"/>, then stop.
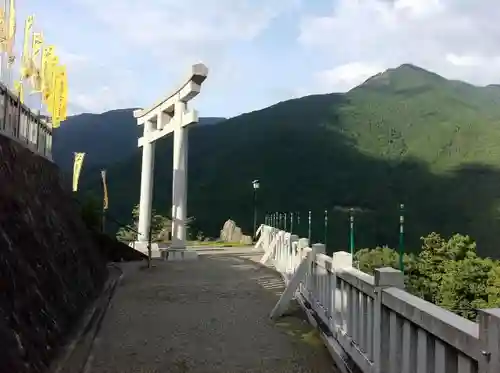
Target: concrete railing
<point x="23" y="125"/>
<point x="371" y="322"/>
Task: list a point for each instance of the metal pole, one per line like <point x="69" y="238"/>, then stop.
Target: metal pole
<point x="326" y="227"/>
<point x="309" y="229"/>
<point x="103" y="221"/>
<point x="150" y="240"/>
<point x="254" y="212"/>
<point x="401" y="237"/>
<point x="351" y="231"/>
<point x="104" y="201"/>
<point x="284" y="220"/>
<point x="298" y="222"/>
<point x="291" y="222"/>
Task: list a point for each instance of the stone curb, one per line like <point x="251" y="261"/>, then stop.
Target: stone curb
<point x="91" y="320"/>
<point x="90" y="357"/>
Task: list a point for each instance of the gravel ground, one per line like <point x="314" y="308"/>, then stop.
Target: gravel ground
<point x="203" y="316"/>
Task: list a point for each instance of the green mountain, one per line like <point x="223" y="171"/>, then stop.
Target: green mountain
<point x="105" y="138"/>
<point x="404" y="136"/>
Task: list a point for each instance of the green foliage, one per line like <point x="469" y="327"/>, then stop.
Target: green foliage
<point x="161" y="227"/>
<point x="463" y="286"/>
<point x="433" y="259"/>
<point x="406" y="136"/>
<point x="370" y="259"/>
<point x="91" y="211"/>
<point x="445" y="272"/>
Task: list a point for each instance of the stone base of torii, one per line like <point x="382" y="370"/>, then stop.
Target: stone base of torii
<point x="170" y="115"/>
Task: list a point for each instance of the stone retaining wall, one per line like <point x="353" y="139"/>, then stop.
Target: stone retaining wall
<point x="50" y="268"/>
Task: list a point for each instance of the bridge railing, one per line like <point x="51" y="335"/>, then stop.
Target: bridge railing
<point x="372" y="322"/>
<point x="19" y="123"/>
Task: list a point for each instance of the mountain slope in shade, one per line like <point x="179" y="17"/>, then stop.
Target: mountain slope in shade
<point x="404" y="136"/>
<point x="106" y="138"/>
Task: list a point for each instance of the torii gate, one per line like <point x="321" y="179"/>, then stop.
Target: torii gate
<point x="168" y="115"/>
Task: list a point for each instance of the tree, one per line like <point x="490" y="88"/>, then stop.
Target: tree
<point x="448" y="273"/>
<point x="161" y="227"/>
<point x="90" y="210"/>
<point x="370" y="259"/>
<point x="432" y="262"/>
<point x="464" y="285"/>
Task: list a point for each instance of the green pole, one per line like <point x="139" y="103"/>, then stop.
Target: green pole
<point x="401" y="237"/>
<point x="351" y="231"/>
<point x="298" y="223"/>
<point x="326" y="226"/>
<point x="291" y="222"/>
<point x="309" y="229"/>
<point x="285" y="215"/>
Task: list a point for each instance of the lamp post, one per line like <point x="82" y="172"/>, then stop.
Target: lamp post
<point x="255" y="185"/>
<point x="326" y="227"/>
<point x="351" y="231"/>
<point x="401" y="237"/>
<point x="309" y="228"/>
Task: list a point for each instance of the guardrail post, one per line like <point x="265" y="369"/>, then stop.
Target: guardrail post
<point x="384" y="278"/>
<point x="311" y="280"/>
<point x="489" y="339"/>
<point x="294" y="239"/>
<point x="341" y="260"/>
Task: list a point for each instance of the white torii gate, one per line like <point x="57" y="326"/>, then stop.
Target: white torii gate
<point x="166" y="116"/>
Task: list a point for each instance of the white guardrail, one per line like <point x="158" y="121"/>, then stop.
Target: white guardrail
<point x="19" y="123"/>
<point x="370" y="321"/>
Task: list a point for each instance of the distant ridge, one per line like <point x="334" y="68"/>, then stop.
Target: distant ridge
<point x="406" y="135"/>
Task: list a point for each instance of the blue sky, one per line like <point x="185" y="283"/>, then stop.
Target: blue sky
<point x="129" y="53"/>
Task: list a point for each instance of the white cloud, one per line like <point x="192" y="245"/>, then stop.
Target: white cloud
<point x="156" y="41"/>
<point x="343" y="78"/>
<point x="450" y="37"/>
<point x="167" y="24"/>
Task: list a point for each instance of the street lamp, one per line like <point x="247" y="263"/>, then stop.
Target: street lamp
<point x="351" y="231"/>
<point x="255" y="185"/>
<point x="401" y="237"/>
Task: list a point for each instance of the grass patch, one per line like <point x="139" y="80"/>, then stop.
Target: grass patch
<point x="215" y="244"/>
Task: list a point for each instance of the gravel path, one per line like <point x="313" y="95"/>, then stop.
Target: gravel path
<point x="204" y="316"/>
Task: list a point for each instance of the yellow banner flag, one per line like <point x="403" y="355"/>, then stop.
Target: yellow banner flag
<point x="58" y="92"/>
<point x="105" y="190"/>
<point x="11" y="32"/>
<point x="3" y="31"/>
<point x="77" y="167"/>
<point x="26" y="65"/>
<point x="63" y="95"/>
<point x="50" y="76"/>
<point x="36" y="48"/>
<point x="47" y="55"/>
<point x="37" y="62"/>
<point x="28" y="26"/>
<point x="18" y="88"/>
<point x="54" y="92"/>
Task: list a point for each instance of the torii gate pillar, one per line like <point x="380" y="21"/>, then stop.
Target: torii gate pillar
<point x="179" y="184"/>
<point x="170" y="115"/>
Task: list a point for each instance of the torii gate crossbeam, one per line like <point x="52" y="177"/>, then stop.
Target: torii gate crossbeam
<point x="169" y="115"/>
